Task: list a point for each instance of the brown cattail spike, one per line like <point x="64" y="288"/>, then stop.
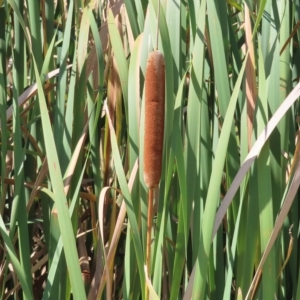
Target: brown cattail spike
<point x="154" y="118"/>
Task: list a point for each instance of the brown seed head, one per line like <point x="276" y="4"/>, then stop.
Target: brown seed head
<point x="154" y="118"/>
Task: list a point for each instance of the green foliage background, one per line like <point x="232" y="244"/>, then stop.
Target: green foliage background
<point x="73" y="206"/>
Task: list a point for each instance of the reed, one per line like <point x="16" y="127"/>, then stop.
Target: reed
<point x="154" y="134"/>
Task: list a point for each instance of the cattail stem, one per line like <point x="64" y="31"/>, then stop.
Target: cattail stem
<point x="149" y="229"/>
<point x="148" y="244"/>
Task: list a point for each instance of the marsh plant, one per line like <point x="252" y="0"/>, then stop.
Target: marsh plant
<point x="149" y="149"/>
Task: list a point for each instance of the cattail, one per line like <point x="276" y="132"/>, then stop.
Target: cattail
<point x="154" y="136"/>
<point x="154" y="118"/>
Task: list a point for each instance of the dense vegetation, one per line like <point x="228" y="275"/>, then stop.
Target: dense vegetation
<point x="73" y="206"/>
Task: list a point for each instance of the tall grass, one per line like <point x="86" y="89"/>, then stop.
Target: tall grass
<point x="74" y="200"/>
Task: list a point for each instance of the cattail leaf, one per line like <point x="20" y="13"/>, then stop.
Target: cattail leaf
<point x="54" y="268"/>
<point x="134" y="102"/>
<point x="266" y="209"/>
<point x="132" y="15"/>
<point x="13" y="257"/>
<point x="83" y="38"/>
<point x="191" y="150"/>
<point x="129" y="204"/>
<point x="265" y="134"/>
<point x="56" y="178"/>
<point x="213" y="194"/>
<point x="62" y="88"/>
<point x="119" y="54"/>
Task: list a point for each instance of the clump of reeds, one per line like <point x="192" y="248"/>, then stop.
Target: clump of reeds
<point x="154" y="133"/>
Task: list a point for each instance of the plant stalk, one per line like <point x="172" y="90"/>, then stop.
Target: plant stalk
<point x="149" y="228"/>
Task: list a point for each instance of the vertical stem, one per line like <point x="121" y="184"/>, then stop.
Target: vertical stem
<point x="149" y="227"/>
